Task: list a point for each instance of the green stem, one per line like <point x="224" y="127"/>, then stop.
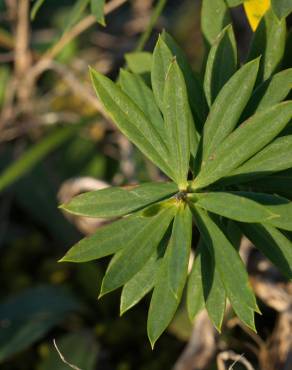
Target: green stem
<point x="154" y="17"/>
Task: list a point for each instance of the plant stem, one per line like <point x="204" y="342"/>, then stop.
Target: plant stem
<point x="154" y="17"/>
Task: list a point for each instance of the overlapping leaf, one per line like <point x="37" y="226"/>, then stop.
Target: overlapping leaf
<point x="172" y="276"/>
<point x="132" y="121"/>
<point x="227" y="108"/>
<point x="269" y="42"/>
<point x="230" y="267"/>
<point x="221" y="63"/>
<point x="263" y="127"/>
<point x="137" y="251"/>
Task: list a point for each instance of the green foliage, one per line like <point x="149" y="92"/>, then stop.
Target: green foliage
<point x="282" y="8"/>
<point x="34" y="155"/>
<point x="41" y="309"/>
<point x="269" y="33"/>
<point x="230" y="172"/>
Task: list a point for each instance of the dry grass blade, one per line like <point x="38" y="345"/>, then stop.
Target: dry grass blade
<point x="63" y="358"/>
<point x="231" y="356"/>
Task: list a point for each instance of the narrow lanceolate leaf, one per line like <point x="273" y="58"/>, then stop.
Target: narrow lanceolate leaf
<point x="273" y="158"/>
<point x="161" y="60"/>
<point x="273" y="244"/>
<point x="106" y="240"/>
<point x="137" y="90"/>
<point x="137" y="250"/>
<point x="131" y="121"/>
<point x="269" y="41"/>
<point x="163" y="305"/>
<point x="230" y="267"/>
<point x="233" y="206"/>
<point x="195" y="292"/>
<point x="270" y="92"/>
<point x="221" y="64"/>
<point x="249" y="207"/>
<point x="280" y="206"/>
<point x="179" y="249"/>
<point x="97" y="9"/>
<point x="196" y="93"/>
<point x="282" y="8"/>
<point x="244" y="142"/>
<point x="214" y="17"/>
<point x="141" y="283"/>
<point x="172" y="276"/>
<point x="214" y="291"/>
<point x="228" y="107"/>
<point x="178" y="119"/>
<point x="116" y="201"/>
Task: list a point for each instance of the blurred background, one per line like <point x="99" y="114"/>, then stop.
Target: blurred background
<point x="55" y="142"/>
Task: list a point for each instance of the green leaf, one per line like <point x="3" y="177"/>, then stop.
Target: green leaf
<point x="273" y="244"/>
<point x="30" y="315"/>
<point x="214" y="292"/>
<point x="228" y="107"/>
<point x="179" y="248"/>
<point x="141" y="283"/>
<point x="97" y="9"/>
<point x="248" y="207"/>
<point x="34" y="155"/>
<point x="139" y="62"/>
<point x="270" y="92"/>
<point x="232" y="273"/>
<point x="137" y="90"/>
<point x="195" y="292"/>
<point x="178" y="120"/>
<point x="279" y="206"/>
<point x="75" y="14"/>
<point x="214" y="17"/>
<point x="244" y="142"/>
<point x="35" y="8"/>
<point x="131" y="121"/>
<point x="158" y="9"/>
<point x="282" y="8"/>
<point x="221" y="63"/>
<point x="78" y="348"/>
<point x="117" y="201"/>
<point x="161" y="60"/>
<point x="233" y="206"/>
<point x="273" y="158"/>
<point x="137" y="250"/>
<point x="269" y="42"/>
<point x="106" y="240"/>
<point x="172" y="276"/>
<point x="196" y="94"/>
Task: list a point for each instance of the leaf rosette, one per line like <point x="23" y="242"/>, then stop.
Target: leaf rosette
<point x="224" y="145"/>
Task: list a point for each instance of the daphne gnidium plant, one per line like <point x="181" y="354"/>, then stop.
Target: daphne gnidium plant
<point x="224" y="143"/>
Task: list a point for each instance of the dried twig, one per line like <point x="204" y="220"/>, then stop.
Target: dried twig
<point x="63" y="358"/>
<point x="232" y="356"/>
